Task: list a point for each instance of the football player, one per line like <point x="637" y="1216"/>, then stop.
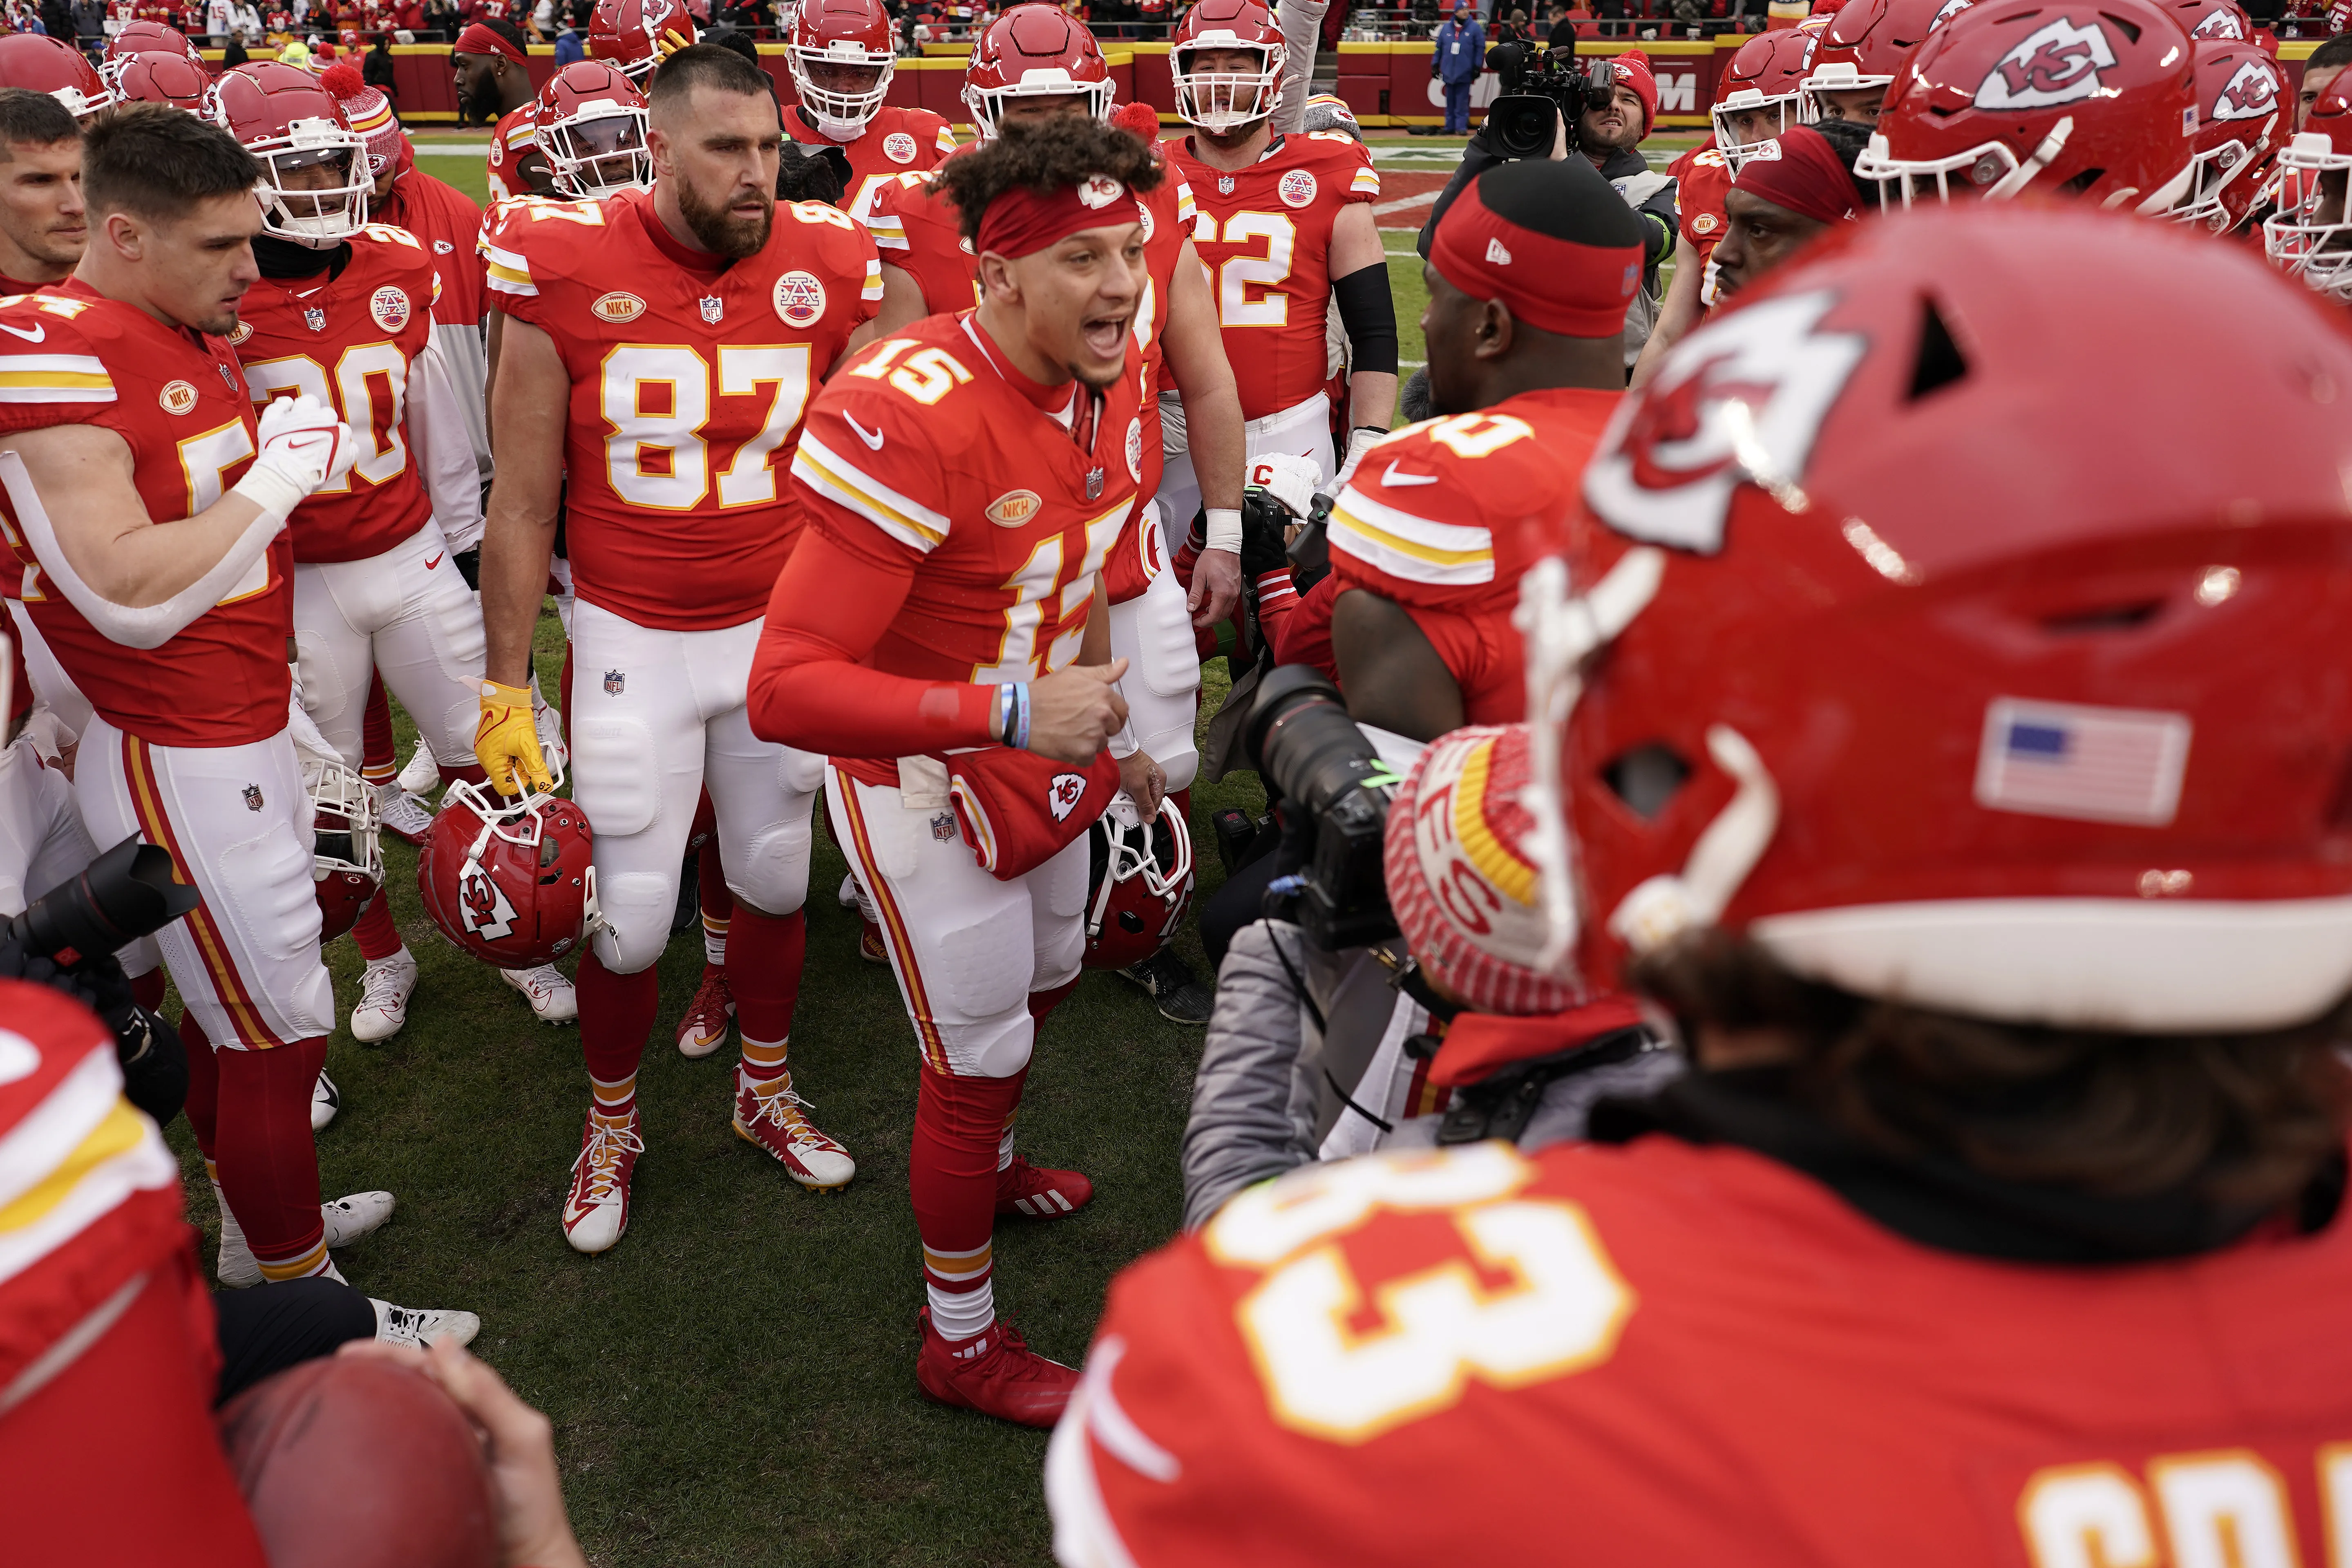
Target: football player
<point x="2001" y="1219"/>
<point x="1528" y="280"/>
<point x="1802" y="188"/>
<point x="695" y="319"/>
<point x="494" y="83"/>
<point x="2310" y="237"/>
<point x="843" y="56"/>
<point x="935" y="634"/>
<point x="54" y="67"/>
<point x="341" y="313"/>
<point x="2242" y="93"/>
<point x="132" y="413"/>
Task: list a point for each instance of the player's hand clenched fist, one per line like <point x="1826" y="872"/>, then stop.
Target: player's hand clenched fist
<point x="1073" y="711"/>
<point x="506" y="741"/>
<point x="305" y="442"/>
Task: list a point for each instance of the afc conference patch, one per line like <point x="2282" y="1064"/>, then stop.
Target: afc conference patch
<point x="2095" y="764"/>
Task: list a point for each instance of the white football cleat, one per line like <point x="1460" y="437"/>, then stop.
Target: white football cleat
<point x="552" y="999"/>
<point x="402" y="814"/>
<point x="849" y="897"/>
<point x="346" y="1219"/>
<point x="385" y="986"/>
<point x="325" y="1100"/>
<point x="596" y="1209"/>
<point x="423" y="774"/>
<point x="418" y="1327"/>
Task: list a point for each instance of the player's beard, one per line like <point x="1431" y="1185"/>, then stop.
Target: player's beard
<point x="481" y="103"/>
<point x="717" y="227"/>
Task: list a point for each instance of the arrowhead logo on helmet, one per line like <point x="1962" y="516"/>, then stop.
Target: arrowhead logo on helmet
<point x="2221" y="22"/>
<point x="2251" y="94"/>
<point x="2059" y="63"/>
<point x="482" y="906"/>
<point x="1739" y="402"/>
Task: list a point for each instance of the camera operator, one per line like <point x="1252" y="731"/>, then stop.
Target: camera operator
<point x="1316" y="1053"/>
<point x="1616" y="104"/>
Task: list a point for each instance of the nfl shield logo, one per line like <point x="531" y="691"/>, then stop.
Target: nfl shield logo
<point x="613" y="681"/>
<point x="1224" y="184"/>
<point x="712" y="309"/>
<point x="943" y="827"/>
<point x="253" y="797"/>
<point x="315" y="318"/>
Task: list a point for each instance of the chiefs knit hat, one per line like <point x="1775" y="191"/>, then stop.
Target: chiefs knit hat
<point x="1459" y="876"/>
<point x="1551" y="240"/>
<point x="1633" y="66"/>
<point x="370" y="113"/>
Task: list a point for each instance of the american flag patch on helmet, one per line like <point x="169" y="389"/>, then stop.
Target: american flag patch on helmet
<point x="2100" y="764"/>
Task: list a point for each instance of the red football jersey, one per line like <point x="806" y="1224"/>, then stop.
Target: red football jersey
<point x="927" y="445"/>
<point x="690" y="377"/>
<point x="516" y="133"/>
<point x="1443" y="517"/>
<point x="348" y="340"/>
<point x="71" y="357"/>
<point x="447" y="221"/>
<point x="1701" y="178"/>
<point x="1265" y="233"/>
<point x="1670" y="1353"/>
<point x="919" y="232"/>
<point x="897" y="142"/>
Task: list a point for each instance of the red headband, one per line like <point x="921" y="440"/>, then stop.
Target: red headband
<point x="1800" y="170"/>
<point x="1022" y="223"/>
<point x="477" y="39"/>
<point x="1554" y="285"/>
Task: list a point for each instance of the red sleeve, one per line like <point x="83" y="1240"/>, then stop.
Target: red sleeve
<point x="830" y="605"/>
<point x="1301" y="634"/>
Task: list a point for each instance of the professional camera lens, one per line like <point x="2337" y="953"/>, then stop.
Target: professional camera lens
<point x="1521" y="125"/>
<point x="1322" y="765"/>
<point x="126" y="893"/>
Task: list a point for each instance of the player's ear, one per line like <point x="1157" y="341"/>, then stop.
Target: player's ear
<point x="1493" y="336"/>
<point x="997" y="279"/>
<point x="127" y="234"/>
<point x="657" y="147"/>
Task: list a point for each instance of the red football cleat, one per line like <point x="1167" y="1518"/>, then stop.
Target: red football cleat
<point x="995" y="1374"/>
<point x="869" y="942"/>
<point x="704" y="1028"/>
<point x="1039" y="1192"/>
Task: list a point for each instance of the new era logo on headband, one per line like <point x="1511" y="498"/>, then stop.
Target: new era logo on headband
<point x="1496" y="254"/>
<point x="1100" y="191"/>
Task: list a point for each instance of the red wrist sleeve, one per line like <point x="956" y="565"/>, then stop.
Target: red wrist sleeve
<point x="809" y="689"/>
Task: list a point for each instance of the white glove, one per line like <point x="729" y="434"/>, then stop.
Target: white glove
<point x="303" y="447"/>
<point x="1289" y="479"/>
<point x="1361" y="441"/>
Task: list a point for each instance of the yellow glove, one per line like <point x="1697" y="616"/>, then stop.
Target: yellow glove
<point x="669" y="43"/>
<point x="505" y="743"/>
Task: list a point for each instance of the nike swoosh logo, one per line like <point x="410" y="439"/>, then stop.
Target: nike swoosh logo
<point x="873" y="438"/>
<point x="435" y="561"/>
<point x="1391" y="476"/>
<point x="34" y="336"/>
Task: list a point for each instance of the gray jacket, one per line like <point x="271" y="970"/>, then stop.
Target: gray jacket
<point x="1274" y="1093"/>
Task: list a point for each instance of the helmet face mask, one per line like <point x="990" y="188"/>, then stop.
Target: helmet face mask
<point x="1140" y="883"/>
<point x="598" y="151"/>
<point x="1741" y="122"/>
<point x="1220" y="98"/>
<point x="347" y="855"/>
<point x="2309" y="237"/>
<point x="512" y="883"/>
<point x="315" y="186"/>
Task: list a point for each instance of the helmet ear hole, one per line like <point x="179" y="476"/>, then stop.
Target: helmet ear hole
<point x="1940" y="362"/>
<point x="1646" y="778"/>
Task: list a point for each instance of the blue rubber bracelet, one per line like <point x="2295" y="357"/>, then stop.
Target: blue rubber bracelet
<point x="1020" y="741"/>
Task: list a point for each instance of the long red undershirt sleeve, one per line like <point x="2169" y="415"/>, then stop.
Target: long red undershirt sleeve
<point x="809" y="689"/>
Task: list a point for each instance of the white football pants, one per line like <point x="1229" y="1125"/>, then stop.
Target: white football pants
<point x="1303" y="430"/>
<point x="408" y="614"/>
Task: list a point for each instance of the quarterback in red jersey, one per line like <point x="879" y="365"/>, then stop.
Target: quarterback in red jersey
<point x="1944" y="902"/>
<point x="936" y="633"/>
<point x="131" y="410"/>
<point x="843" y="56"/>
<point x="1286" y="227"/>
<point x="1528" y="277"/>
<point x="659" y="350"/>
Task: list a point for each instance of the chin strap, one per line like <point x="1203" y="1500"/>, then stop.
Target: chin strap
<point x="1664" y="907"/>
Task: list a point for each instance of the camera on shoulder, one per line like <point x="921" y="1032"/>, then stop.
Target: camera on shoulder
<point x="1559" y="86"/>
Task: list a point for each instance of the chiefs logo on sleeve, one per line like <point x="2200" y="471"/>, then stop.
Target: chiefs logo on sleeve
<point x="1737" y="401"/>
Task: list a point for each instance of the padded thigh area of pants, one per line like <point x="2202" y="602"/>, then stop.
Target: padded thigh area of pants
<point x="614" y="774"/>
<point x="987" y="964"/>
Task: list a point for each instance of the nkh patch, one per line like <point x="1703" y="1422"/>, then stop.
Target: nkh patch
<point x="2096" y="765"/>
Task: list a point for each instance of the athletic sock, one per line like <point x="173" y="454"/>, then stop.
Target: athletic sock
<point x="763" y="1062"/>
<point x="378" y="938"/>
<point x="960" y="1127"/>
<point x="147" y="989"/>
<point x="203" y="1104"/>
<point x="717" y="905"/>
<point x="470" y="772"/>
<point x="379" y="763"/>
<point x="765" y="978"/>
<point x="616" y="1100"/>
<point x="617" y="1013"/>
<point x="268" y="1166"/>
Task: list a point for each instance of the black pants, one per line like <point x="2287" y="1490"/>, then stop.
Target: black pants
<point x="1233" y="906"/>
<point x="269" y="1328"/>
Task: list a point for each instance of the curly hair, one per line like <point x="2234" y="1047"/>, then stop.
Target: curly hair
<point x="2237" y="1119"/>
<point x="1046" y="157"/>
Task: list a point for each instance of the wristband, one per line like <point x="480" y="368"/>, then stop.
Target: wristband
<point x="1225" y="529"/>
<point x="1015" y="728"/>
<point x="272" y="491"/>
<point x="1000" y="715"/>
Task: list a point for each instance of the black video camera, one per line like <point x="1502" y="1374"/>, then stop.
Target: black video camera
<point x="1559" y="86"/>
<point x="1301" y="740"/>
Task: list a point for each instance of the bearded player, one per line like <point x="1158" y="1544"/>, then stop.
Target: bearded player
<point x="659" y="350"/>
<point x="843" y="56"/>
<point x="936" y="634"/>
<point x="2001" y="1218"/>
<point x="128" y="409"/>
<point x="493" y="72"/>
<point x="1286" y="228"/>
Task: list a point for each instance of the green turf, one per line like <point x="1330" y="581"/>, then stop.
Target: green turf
<point x="734" y="1383"/>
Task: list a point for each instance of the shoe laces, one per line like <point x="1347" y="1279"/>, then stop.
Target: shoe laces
<point x="710" y="999"/>
<point x="601" y="1154"/>
<point x="779" y="1102"/>
<point x="380" y="986"/>
<point x="539" y="982"/>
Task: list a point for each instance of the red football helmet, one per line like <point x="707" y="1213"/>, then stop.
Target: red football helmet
<point x="1220" y="101"/>
<point x="1033" y="51"/>
<point x="2095" y="99"/>
<point x="2056" y="739"/>
<point x="627" y="33"/>
<point x="347" y="856"/>
<point x="160" y="78"/>
<point x="2241" y="93"/>
<point x="1766" y="77"/>
<point x="291" y="124"/>
<point x="1865" y="43"/>
<point x="833" y="37"/>
<point x="42" y="64"/>
<point x="2223" y="20"/>
<point x="591" y="123"/>
<point x="510" y="882"/>
<point x="2309" y="237"/>
<point x="1140" y="883"/>
<point x="148" y="38"/>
